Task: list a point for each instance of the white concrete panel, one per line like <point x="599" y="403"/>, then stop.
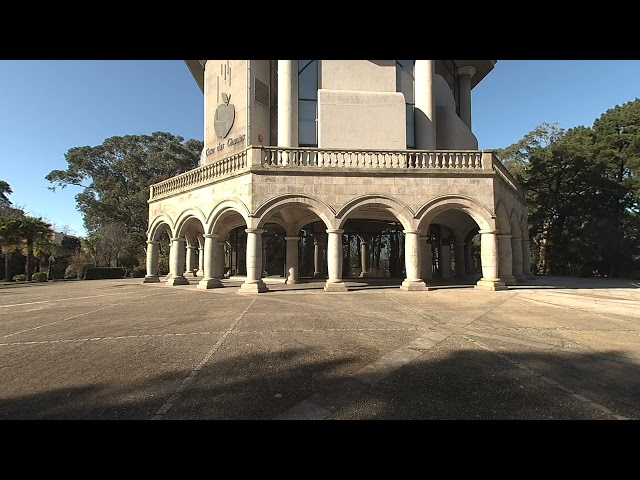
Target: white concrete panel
<point x="361" y="120"/>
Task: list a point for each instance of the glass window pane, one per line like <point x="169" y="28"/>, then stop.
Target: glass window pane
<point x="307" y="123"/>
<point x="308" y="80"/>
<point x="411" y="137"/>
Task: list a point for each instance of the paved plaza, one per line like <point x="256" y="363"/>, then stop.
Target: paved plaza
<point x="555" y="348"/>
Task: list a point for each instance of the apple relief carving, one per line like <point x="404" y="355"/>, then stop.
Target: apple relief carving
<point x="224" y="117"/>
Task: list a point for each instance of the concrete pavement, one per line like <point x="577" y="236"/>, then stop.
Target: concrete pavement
<point x="557" y="348"/>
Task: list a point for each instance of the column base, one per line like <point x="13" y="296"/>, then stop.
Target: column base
<point x="177" y="281"/>
<point x="209" y="283"/>
<point x="151" y="279"/>
<point x="318" y="275"/>
<point x="335" y="287"/>
<point x="414" y="286"/>
<point x="200" y="273"/>
<point x="255" y="287"/>
<point x="291" y="281"/>
<point x="494" y="285"/>
<point x="365" y="274"/>
<point x="520" y="278"/>
<point x="189" y="274"/>
<point x="508" y="279"/>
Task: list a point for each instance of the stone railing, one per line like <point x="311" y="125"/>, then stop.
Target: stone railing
<point x="503" y="173"/>
<point x="338" y="158"/>
<point x="267" y="158"/>
<point x="225" y="167"/>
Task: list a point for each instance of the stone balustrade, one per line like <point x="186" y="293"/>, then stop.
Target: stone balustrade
<point x="317" y="159"/>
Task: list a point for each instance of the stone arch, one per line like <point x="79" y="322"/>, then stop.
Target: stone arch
<point x="187" y="215"/>
<point x="514" y="224"/>
<point x="324" y="211"/>
<point x="157" y="227"/>
<point x="477" y="211"/>
<point x="503" y="223"/>
<point x="401" y="211"/>
<point x="524" y="228"/>
<point x="228" y="205"/>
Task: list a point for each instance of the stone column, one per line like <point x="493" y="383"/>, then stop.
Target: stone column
<point x="426" y="259"/>
<point x="200" y="271"/>
<point x="516" y="253"/>
<point x="334" y="262"/>
<point x="505" y="260"/>
<point x="412" y="262"/>
<point x="176" y="260"/>
<point x="445" y="260"/>
<point x="460" y="260"/>
<point x="425" y="106"/>
<point x="317" y="258"/>
<point x="464" y="79"/>
<point x="526" y="260"/>
<point x="254" y="283"/>
<point x="218" y="261"/>
<point x="364" y="259"/>
<point x="191" y="256"/>
<point x="287" y="103"/>
<point x="291" y="257"/>
<point x="210" y="257"/>
<point x="152" y="262"/>
<point x="264" y="260"/>
<point x="489" y="260"/>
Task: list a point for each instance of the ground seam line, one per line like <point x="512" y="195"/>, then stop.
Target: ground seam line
<point x="164" y="409"/>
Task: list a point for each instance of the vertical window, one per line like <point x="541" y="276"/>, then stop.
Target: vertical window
<point x="307" y="103"/>
<point x="405" y="84"/>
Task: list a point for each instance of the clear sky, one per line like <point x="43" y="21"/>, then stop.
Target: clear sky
<point x="50" y="106"/>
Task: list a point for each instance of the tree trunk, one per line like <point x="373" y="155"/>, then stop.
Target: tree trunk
<point x="7" y="266"/>
<point x="27" y="264"/>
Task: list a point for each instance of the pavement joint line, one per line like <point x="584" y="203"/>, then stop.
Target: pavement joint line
<point x="164" y="409"/>
<point x="57" y="321"/>
<point x="244" y="332"/>
<point x="72" y="299"/>
<point x="367" y="376"/>
<point x="493" y="307"/>
<point x="550" y="381"/>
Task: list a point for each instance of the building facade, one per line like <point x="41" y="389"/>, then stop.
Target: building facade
<point x="337" y="169"/>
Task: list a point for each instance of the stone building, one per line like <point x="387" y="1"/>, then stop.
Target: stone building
<point x="337" y="169"/>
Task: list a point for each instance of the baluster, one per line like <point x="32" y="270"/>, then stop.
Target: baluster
<point x="457" y="161"/>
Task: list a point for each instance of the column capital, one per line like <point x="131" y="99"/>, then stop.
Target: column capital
<point x="516" y="238"/>
<point x="411" y="230"/>
<point x="292" y="239"/>
<point x="192" y="247"/>
<point x="491" y="231"/>
<point x="153" y="242"/>
<point x="504" y="235"/>
<point x="336" y="230"/>
<point x="178" y="239"/>
<point x="211" y="235"/>
<point x="257" y="231"/>
<point x="467" y="70"/>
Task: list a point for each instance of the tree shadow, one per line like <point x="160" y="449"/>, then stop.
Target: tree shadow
<point x="444" y="383"/>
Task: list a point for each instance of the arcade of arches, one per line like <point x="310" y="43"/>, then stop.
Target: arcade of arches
<point x="302" y="238"/>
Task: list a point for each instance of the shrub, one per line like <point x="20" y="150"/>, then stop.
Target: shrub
<point x="99" y="273"/>
<point x="39" y="277"/>
<point x="20" y="278"/>
<point x="138" y="272"/>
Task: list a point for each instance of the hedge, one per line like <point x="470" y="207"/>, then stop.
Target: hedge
<point x="99" y="273"/>
<point x="39" y="277"/>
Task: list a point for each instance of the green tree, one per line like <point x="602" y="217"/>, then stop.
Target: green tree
<point x="516" y="157"/>
<point x="116" y="175"/>
<point x="617" y="135"/>
<point x="9" y="241"/>
<point x="5" y="189"/>
<point x="30" y="230"/>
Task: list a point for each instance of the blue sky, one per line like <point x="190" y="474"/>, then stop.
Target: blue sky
<point x="50" y="106"/>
